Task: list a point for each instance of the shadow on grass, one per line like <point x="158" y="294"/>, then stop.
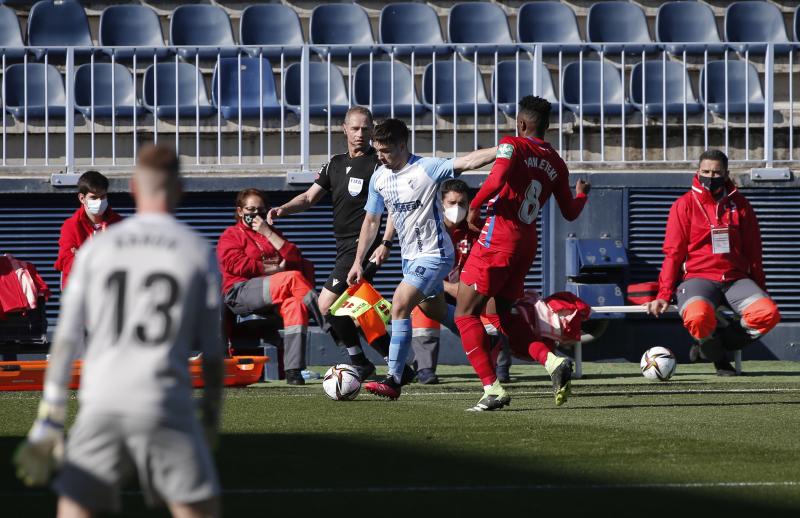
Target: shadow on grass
<point x="266" y="474"/>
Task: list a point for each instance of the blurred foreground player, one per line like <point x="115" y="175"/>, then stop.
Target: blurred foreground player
<point x="713" y="243"/>
<point x="526" y="172"/>
<point x="147" y="290"/>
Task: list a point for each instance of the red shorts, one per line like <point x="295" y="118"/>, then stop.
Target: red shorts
<point x="497" y="273"/>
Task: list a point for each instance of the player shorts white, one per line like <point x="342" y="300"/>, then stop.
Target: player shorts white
<point x="170" y="457"/>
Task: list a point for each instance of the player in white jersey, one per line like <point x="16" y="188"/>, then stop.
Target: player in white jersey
<point x="407" y="187"/>
<point x="145" y="294"/>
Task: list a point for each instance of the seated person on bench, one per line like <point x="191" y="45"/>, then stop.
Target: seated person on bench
<point x="261" y="273"/>
<point x="713" y="245"/>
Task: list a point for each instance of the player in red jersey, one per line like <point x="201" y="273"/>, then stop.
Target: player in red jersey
<point x="526" y="172"/>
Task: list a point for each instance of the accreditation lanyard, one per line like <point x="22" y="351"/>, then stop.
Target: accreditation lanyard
<point x="264" y="257"/>
<point x="720" y="235"/>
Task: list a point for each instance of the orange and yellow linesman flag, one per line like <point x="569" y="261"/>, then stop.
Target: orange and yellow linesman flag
<point x="367" y="307"/>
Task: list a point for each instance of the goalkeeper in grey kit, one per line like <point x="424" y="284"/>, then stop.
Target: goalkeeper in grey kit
<point x="147" y="292"/>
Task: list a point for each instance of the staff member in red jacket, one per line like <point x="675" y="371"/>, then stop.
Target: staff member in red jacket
<point x="94" y="215"/>
<point x="261" y="271"/>
<point x="713" y="243"/>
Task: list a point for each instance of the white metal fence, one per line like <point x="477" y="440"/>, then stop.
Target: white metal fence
<point x="740" y="116"/>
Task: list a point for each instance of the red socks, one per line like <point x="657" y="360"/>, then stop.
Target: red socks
<point x="476" y="344"/>
<point x="521" y="337"/>
<point x="538" y="351"/>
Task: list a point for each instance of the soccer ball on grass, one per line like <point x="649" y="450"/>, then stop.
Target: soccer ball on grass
<point x="341" y="382"/>
<point x="658" y="363"/>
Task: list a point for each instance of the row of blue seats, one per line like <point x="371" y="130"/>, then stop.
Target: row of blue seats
<point x="64" y="23"/>
<point x="171" y="88"/>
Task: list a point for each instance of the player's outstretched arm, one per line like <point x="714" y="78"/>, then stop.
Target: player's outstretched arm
<point x="474" y="160"/>
<point x="369" y="229"/>
<point x="300" y="203"/>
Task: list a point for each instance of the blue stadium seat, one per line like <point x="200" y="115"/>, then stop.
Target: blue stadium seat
<point x="10" y="34"/>
<point x="549" y="22"/>
<point x="619" y="22"/>
<point x="252" y="104"/>
<point x="159" y="93"/>
<point x="318" y="90"/>
<point x="613" y="93"/>
<point x="466" y="95"/>
<point x="201" y="24"/>
<point x="507" y="93"/>
<point x="797" y="24"/>
<point x="341" y="24"/>
<point x="125" y="102"/>
<point x="271" y="24"/>
<point x="411" y="23"/>
<point x="132" y="26"/>
<point x="404" y="95"/>
<point x="743" y="84"/>
<point x="655" y="94"/>
<point x="58" y="24"/>
<point x="755" y="21"/>
<point x="480" y="22"/>
<point x="688" y="21"/>
<point x="39" y="74"/>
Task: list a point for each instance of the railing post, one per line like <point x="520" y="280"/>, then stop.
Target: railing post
<point x="769" y="87"/>
<point x="305" y="123"/>
<point x="69" y="122"/>
<point x="537" y="67"/>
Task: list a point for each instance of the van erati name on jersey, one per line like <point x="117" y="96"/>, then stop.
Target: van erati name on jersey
<point x="544" y="165"/>
<point x="158" y="241"/>
<point x="407" y="206"/>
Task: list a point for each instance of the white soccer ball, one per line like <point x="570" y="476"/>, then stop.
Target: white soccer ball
<point x="341" y="382"/>
<point x="658" y="363"/>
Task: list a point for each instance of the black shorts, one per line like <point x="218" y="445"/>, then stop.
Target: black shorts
<point x="345" y="255"/>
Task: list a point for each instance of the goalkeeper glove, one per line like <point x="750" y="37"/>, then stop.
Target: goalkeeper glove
<point x="42" y="452"/>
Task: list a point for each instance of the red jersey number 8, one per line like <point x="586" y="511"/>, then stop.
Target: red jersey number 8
<point x="530" y="206"/>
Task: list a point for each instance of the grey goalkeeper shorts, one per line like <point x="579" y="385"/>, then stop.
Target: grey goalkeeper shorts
<point x="170" y="458"/>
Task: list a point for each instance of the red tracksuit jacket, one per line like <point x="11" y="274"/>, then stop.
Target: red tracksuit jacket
<point x="19" y="293"/>
<point x="241" y="253"/>
<point x="687" y="244"/>
<point x="75" y="231"/>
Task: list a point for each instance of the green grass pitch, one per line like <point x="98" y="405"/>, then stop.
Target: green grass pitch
<point x="698" y="445"/>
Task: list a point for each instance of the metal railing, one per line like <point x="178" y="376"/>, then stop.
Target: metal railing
<point x="297" y="128"/>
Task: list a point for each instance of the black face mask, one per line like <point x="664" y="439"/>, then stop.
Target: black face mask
<point x="248" y="217"/>
<point x="712" y="183"/>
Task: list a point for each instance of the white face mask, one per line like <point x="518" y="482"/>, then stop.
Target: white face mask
<point x="455" y="214"/>
<point x="97" y="207"/>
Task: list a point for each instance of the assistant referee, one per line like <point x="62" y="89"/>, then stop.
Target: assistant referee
<point x="346" y="177"/>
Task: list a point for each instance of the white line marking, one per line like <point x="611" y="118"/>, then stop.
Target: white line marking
<point x="242" y="394"/>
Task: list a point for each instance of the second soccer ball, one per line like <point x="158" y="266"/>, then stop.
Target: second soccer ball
<point x="658" y="363"/>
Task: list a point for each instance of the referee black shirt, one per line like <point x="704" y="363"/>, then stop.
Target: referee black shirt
<point x="347" y="179"/>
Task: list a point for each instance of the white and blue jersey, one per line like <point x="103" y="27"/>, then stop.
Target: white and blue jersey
<point x="411" y="196"/>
